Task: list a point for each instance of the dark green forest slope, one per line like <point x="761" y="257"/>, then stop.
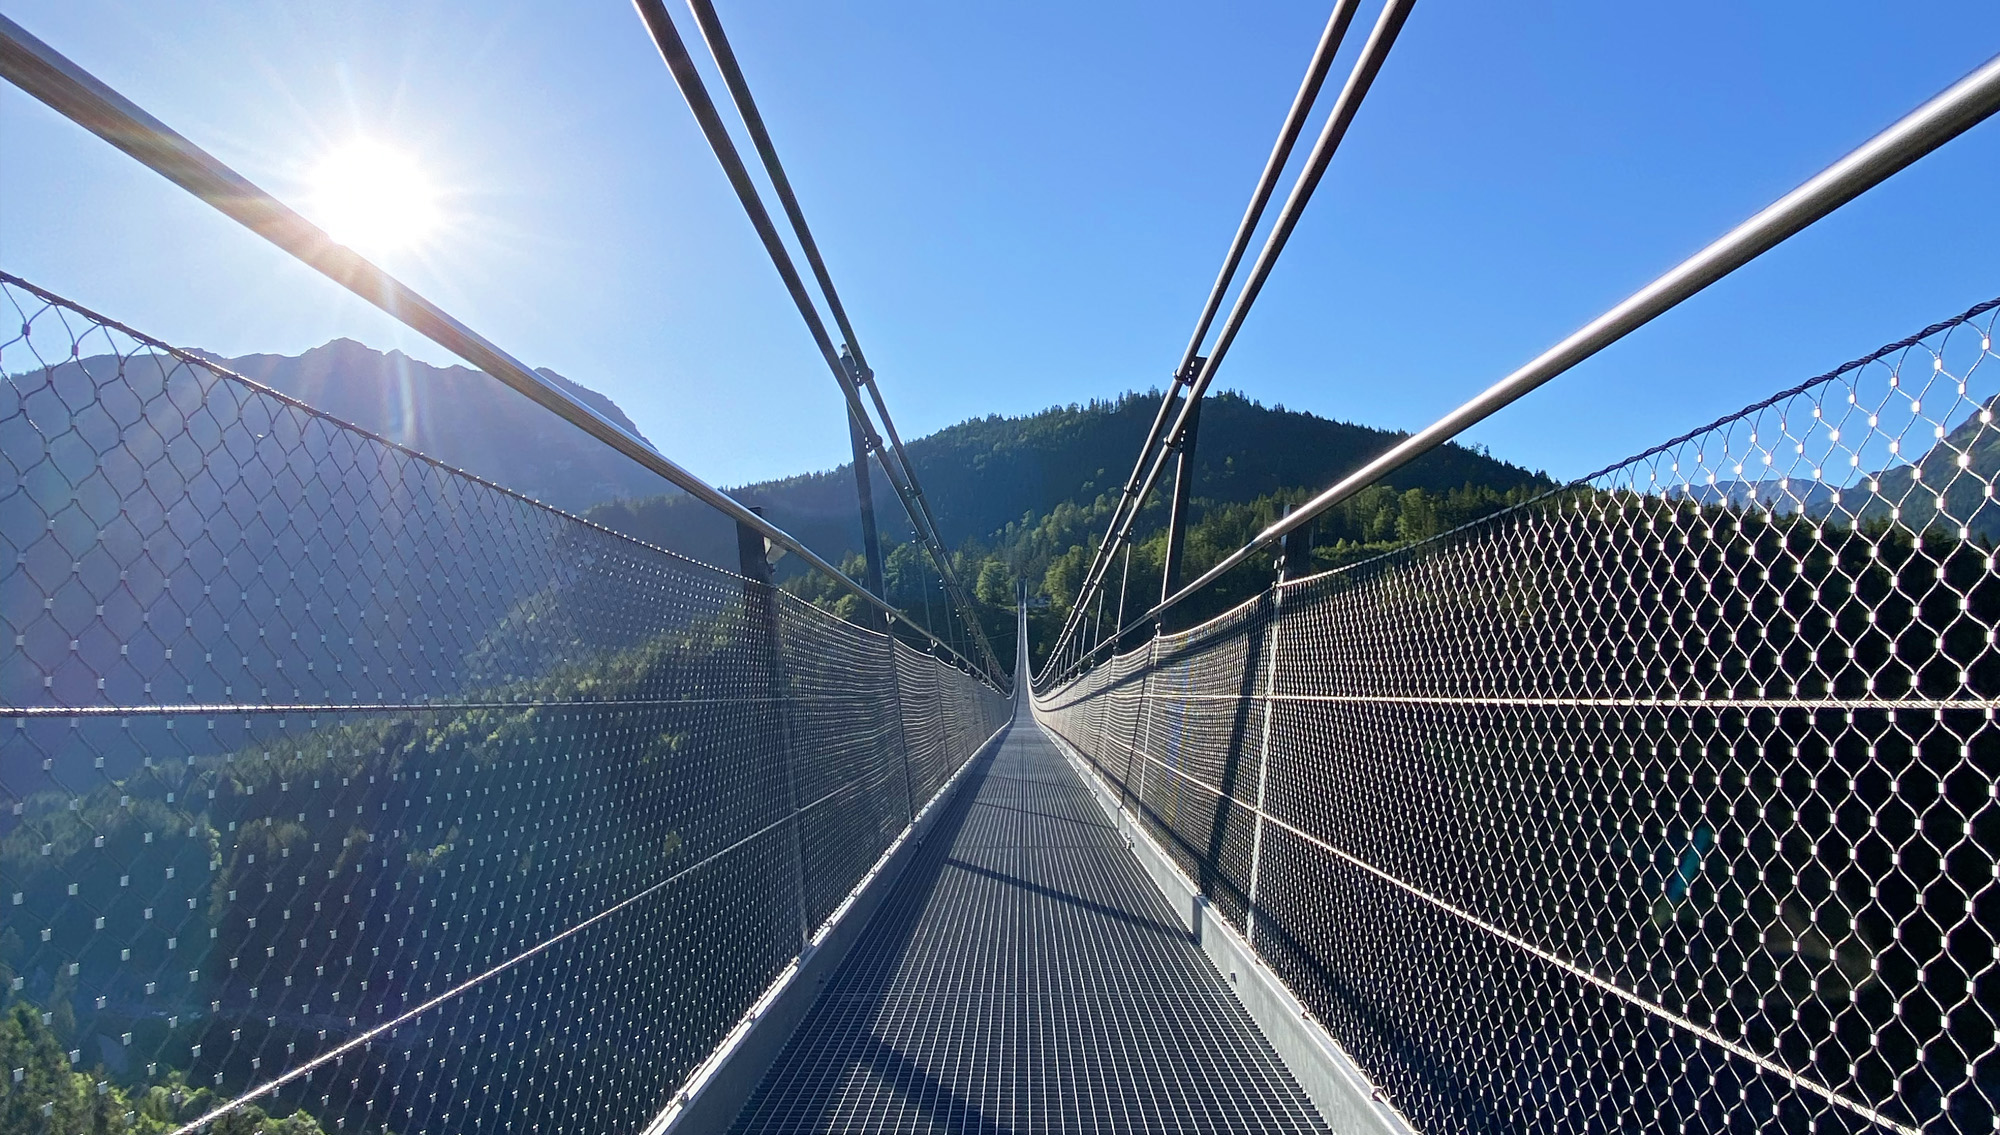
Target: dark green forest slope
<point x="1026" y="499"/>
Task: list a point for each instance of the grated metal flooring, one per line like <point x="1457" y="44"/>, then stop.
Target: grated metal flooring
<point x="1025" y="976"/>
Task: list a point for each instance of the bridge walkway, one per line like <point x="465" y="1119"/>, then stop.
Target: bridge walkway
<point x="1025" y="976"/>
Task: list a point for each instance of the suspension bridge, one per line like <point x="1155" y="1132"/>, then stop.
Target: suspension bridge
<point x="345" y="790"/>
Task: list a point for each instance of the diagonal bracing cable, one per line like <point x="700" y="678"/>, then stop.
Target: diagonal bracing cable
<point x="1958" y="108"/>
<point x="1281" y="151"/>
<point x="41" y="71"/>
<point x="724" y="55"/>
<point x="1375" y="52"/>
<point x="673" y="50"/>
<point x="863" y="375"/>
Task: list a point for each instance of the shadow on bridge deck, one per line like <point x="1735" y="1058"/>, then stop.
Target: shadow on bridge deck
<point x="1025" y="976"/>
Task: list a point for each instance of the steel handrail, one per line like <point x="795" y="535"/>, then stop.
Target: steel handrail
<point x="1952" y="112"/>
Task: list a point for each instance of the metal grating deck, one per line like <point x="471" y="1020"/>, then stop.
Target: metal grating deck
<point x="1025" y="976"/>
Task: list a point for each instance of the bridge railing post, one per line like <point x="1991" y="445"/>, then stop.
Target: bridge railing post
<point x="760" y="603"/>
<point x="896" y="705"/>
<point x="871" y="544"/>
<point x="871" y="541"/>
<point x="1294" y="560"/>
<point x="1142" y="737"/>
<point x="1124" y="578"/>
<point x="1177" y="513"/>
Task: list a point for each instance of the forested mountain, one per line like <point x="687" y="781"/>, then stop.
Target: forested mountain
<point x="1027" y="490"/>
<point x="1020" y="490"/>
<point x="987" y="473"/>
<point x="1025" y="498"/>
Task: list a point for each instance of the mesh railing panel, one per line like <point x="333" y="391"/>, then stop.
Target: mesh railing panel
<point x="337" y="777"/>
<point x="841" y="708"/>
<point x="1666" y="801"/>
<point x="1202" y="728"/>
<point x="917" y="684"/>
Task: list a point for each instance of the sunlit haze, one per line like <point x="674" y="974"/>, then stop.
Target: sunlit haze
<point x="373" y="197"/>
<point x="1025" y="205"/>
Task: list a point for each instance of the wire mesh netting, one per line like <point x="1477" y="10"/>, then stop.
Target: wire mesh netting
<point x="341" y="780"/>
<point x="1664" y="802"/>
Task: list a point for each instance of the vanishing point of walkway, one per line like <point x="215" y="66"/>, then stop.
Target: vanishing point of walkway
<point x="1025" y="976"/>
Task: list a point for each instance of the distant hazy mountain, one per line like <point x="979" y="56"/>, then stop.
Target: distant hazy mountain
<point x="1933" y="493"/>
<point x="462" y="417"/>
<point x="1783" y="495"/>
<point x="155" y="476"/>
<point x="1937" y="492"/>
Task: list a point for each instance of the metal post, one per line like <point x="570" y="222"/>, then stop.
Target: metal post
<point x="1294" y="561"/>
<point x="1144" y="732"/>
<point x="1124" y="578"/>
<point x="1097" y="632"/>
<point x="1177" y="518"/>
<point x="902" y="734"/>
<point x="871" y="543"/>
<point x="760" y="601"/>
<point x="1295" y="555"/>
<point x="924" y="584"/>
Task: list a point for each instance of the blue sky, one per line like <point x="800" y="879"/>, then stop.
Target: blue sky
<point x="1024" y="204"/>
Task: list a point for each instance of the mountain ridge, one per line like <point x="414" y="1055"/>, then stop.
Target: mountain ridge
<point x="989" y="478"/>
<point x="994" y="481"/>
<point x="1942" y="489"/>
<point x="462" y="417"/>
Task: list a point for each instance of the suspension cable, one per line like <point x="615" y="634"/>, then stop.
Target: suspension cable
<point x="1337" y="23"/>
<point x="81" y="97"/>
<point x="724" y="55"/>
<point x="1375" y="52"/>
<point x="1951" y="113"/>
<point x="673" y="50"/>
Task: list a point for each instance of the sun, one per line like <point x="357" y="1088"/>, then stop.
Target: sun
<point x="373" y="197"/>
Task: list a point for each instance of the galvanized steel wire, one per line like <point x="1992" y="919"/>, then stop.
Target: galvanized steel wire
<point x="1664" y="802"/>
<point x="850" y="368"/>
<point x="333" y="778"/>
<point x="1942" y="118"/>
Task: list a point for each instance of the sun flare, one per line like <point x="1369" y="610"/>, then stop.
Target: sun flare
<point x="373" y="198"/>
